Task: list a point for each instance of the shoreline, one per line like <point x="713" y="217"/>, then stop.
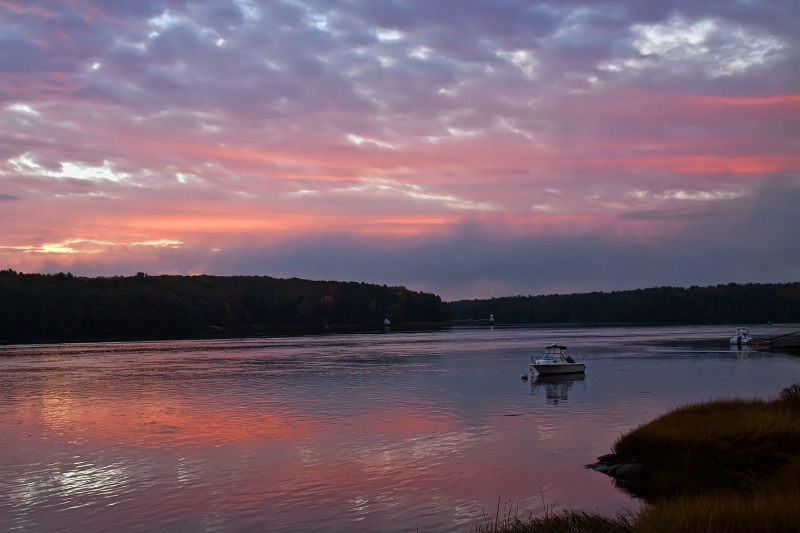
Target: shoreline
<point x="714" y="466"/>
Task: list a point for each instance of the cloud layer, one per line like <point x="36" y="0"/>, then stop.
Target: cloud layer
<point x="470" y="149"/>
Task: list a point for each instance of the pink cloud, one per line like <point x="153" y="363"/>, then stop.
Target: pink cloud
<point x="244" y="134"/>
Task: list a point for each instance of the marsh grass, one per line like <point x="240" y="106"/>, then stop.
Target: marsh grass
<point x="721" y="444"/>
<point x="563" y="522"/>
<point x="790" y="394"/>
<point x="725" y="465"/>
<point x="552" y="522"/>
<point x="772" y="506"/>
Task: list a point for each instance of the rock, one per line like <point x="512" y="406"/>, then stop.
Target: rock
<point x="628" y="471"/>
<point x="603" y="468"/>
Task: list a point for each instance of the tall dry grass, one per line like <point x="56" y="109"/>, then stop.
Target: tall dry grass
<point x="734" y="466"/>
<point x="553" y="522"/>
<point x="773" y="506"/>
<point x="563" y="522"/>
<point x="719" y="444"/>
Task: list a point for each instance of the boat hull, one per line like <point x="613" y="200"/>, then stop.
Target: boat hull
<point x="563" y="368"/>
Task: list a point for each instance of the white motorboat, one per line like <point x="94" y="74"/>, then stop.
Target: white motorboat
<point x="556" y="361"/>
<point x="742" y="337"/>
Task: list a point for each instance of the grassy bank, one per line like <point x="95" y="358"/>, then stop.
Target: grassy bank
<point x="719" y="466"/>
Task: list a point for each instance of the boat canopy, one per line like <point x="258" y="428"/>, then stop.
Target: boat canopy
<point x="555" y="346"/>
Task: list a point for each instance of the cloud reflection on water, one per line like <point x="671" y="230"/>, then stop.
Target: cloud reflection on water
<point x="367" y="431"/>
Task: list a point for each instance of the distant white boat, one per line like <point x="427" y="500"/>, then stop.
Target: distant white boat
<point x="556" y="361"/>
<point x="742" y="337"/>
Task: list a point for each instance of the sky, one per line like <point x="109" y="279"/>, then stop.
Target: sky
<point x="473" y="149"/>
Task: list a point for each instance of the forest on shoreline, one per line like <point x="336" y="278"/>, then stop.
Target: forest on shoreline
<point x="64" y="308"/>
<point x="750" y="303"/>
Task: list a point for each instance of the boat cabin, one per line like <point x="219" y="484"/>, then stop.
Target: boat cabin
<point x="554" y="351"/>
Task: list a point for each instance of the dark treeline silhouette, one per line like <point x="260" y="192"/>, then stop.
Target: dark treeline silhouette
<point x="63" y="307"/>
<point x="721" y="304"/>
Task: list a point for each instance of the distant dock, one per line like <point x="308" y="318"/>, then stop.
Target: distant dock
<point x="787" y="340"/>
<point x="474" y="322"/>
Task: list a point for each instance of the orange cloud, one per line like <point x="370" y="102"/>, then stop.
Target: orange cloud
<point x="792" y="100"/>
<point x="703" y="164"/>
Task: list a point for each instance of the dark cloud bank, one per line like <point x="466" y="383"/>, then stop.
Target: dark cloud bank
<point x="756" y="242"/>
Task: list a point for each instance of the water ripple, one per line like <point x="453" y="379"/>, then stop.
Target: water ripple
<point x="383" y="432"/>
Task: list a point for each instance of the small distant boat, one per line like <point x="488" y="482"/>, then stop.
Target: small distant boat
<point x="742" y="337"/>
<point x="556" y="361"/>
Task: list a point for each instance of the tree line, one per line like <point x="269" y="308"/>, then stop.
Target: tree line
<point x="63" y="307"/>
<point x="750" y="303"/>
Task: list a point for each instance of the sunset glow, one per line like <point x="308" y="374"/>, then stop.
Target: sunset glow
<point x="450" y="148"/>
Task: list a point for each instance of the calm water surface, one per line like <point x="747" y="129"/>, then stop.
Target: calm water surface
<point x="379" y="432"/>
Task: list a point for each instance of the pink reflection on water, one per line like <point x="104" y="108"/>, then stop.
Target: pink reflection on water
<point x="379" y="465"/>
<point x="161" y="422"/>
<point x="230" y="446"/>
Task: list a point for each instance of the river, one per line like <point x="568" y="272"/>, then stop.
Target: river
<point x="394" y="431"/>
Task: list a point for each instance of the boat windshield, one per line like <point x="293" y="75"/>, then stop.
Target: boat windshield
<point x="553" y="353"/>
<point x="554" y="350"/>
